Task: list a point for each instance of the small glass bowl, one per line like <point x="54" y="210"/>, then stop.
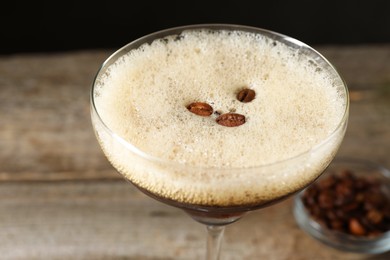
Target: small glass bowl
<point x="340" y="240"/>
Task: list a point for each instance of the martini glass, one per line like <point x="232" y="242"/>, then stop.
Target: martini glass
<point x="287" y="175"/>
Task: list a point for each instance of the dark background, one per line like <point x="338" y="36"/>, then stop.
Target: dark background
<point x="38" y="26"/>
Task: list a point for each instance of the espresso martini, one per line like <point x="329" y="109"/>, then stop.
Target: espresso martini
<point x="164" y="107"/>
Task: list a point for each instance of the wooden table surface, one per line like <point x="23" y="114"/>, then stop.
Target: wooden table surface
<point x="60" y="198"/>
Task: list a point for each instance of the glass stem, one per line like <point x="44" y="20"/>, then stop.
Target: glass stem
<point x="214" y="238"/>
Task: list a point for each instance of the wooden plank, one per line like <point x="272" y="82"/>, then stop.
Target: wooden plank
<point x="45" y="130"/>
<point x="366" y="69"/>
<point x="60" y="198"/>
<point x="112" y="220"/>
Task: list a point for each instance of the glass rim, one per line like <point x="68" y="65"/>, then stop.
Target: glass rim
<point x="213" y="26"/>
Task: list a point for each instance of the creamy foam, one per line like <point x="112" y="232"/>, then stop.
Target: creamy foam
<point x="143" y="99"/>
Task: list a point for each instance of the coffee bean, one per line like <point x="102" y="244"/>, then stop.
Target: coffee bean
<point x="246" y="95"/>
<point x="231" y="119"/>
<point x="326" y="199"/>
<point x="374" y="216"/>
<point x="346" y="203"/>
<point x="337" y="225"/>
<point x="200" y="108"/>
<point x="356" y="228"/>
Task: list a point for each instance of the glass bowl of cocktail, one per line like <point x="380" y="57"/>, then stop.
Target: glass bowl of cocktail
<point x="219" y="120"/>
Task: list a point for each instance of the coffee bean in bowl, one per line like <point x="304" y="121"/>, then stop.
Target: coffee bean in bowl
<point x="348" y="207"/>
